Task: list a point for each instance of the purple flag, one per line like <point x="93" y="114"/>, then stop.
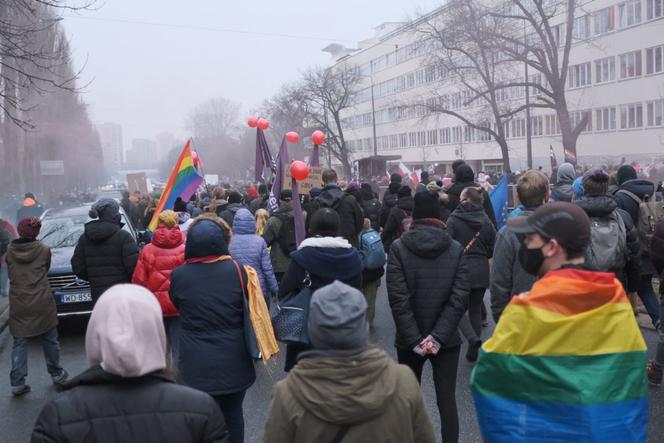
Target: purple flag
<point x="314" y="160"/>
<point x="278" y="185"/>
<point x="263" y="157"/>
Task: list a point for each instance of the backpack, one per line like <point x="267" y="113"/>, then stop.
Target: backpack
<point x="371" y="210"/>
<point x="608" y="243"/>
<point x="372" y="250"/>
<point x="406" y="222"/>
<point x="650" y="212"/>
<point x="286" y="236"/>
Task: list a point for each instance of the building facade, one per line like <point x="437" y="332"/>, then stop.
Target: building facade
<point x="110" y="136"/>
<point x="143" y="154"/>
<point x="616" y="77"/>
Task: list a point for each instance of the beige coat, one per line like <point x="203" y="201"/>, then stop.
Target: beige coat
<point x="380" y="400"/>
<point x="32" y="309"/>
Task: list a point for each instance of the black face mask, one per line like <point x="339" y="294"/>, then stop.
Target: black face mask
<point x="531" y="260"/>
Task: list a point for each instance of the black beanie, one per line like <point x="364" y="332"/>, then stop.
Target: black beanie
<point x="626" y="172"/>
<point x="395" y="178"/>
<point x="404" y="191"/>
<point x="427" y="205"/>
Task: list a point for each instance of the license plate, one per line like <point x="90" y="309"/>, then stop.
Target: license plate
<point x="77" y="297"/>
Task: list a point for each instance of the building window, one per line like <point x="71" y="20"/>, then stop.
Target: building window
<point x="655" y="113"/>
<point x="631" y="116"/>
<point x="577" y="116"/>
<point x="412" y="139"/>
<point x="655" y="8"/>
<point x="537" y="126"/>
<point x="551" y="124"/>
<point x="432" y="137"/>
<point x="559" y="34"/>
<point x="605" y="70"/>
<point x="630" y="65"/>
<point x="654" y="62"/>
<point x="579" y="75"/>
<point x="519" y="127"/>
<point x="629" y="13"/>
<point x="445" y="136"/>
<point x="581" y="30"/>
<point x="456" y="134"/>
<point x="604" y="21"/>
<point x="605" y="119"/>
<point x="403" y="140"/>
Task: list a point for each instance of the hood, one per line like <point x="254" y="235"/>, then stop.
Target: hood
<point x="126" y="334"/>
<point x="639" y="187"/>
<point x="562" y="191"/>
<point x="101" y="230"/>
<point x="426" y="241"/>
<point x="601" y="206"/>
<point x="330" y="196"/>
<point x="344" y="390"/>
<point x="205" y="238"/>
<point x="464" y="174"/>
<point x="24" y="251"/>
<point x="166" y="238"/>
<point x="471" y="214"/>
<point x="328" y="257"/>
<point x="244" y="223"/>
<point x="406" y="203"/>
<point x="566" y="173"/>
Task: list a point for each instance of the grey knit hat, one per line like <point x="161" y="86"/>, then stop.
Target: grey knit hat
<point x="106" y="209"/>
<point x="338" y="318"/>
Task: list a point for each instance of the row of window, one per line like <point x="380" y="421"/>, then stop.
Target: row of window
<point x="627" y="116"/>
<point x="630" y="65"/>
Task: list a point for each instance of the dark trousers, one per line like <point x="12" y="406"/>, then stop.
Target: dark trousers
<point x="292" y="353"/>
<point x="444" y="367"/>
<point x="231" y="407"/>
<point x="471" y="325"/>
<point x="649" y="298"/>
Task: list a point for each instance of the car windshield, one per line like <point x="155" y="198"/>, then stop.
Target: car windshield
<point x="64" y="232"/>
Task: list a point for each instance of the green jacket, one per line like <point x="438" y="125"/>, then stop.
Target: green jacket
<point x="380" y="400"/>
<point x="279" y="259"/>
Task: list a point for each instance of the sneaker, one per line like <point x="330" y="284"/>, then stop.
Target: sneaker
<point x="17" y="391"/>
<point x="473" y="350"/>
<point x="61" y="379"/>
<point x="654" y="374"/>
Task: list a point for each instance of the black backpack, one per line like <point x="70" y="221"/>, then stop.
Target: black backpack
<point x="286" y="234"/>
<point x="371" y="210"/>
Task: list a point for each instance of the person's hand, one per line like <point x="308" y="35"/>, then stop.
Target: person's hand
<point x="430" y="345"/>
<point x="419" y="351"/>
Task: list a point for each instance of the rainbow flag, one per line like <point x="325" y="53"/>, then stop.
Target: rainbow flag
<point x="183" y="182"/>
<point x="566" y="363"/>
<point x="570" y="156"/>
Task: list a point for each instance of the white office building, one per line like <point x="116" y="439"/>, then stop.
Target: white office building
<point x="616" y="75"/>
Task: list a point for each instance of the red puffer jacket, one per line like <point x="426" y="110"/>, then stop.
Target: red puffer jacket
<point x="157" y="261"/>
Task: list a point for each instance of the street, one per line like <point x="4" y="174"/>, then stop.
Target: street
<point x="17" y="416"/>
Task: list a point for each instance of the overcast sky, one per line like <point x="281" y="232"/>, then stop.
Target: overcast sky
<point x="147" y="78"/>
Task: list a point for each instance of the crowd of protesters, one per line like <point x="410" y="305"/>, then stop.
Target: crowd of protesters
<point x="176" y="310"/>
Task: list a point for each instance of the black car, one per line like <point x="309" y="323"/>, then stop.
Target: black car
<point x="60" y="231"/>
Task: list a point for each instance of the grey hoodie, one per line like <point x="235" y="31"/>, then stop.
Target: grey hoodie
<point x="562" y="190"/>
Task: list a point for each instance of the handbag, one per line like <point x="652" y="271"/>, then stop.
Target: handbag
<point x="249" y="333"/>
<point x="292" y="314"/>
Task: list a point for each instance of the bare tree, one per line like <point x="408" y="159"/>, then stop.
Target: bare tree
<point x="326" y="93"/>
<point x="532" y="35"/>
<point x="287" y="111"/>
<point x="473" y="78"/>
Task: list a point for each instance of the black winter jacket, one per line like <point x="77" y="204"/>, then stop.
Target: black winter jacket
<point x="228" y="214"/>
<point x="427" y="286"/>
<point x="603" y="206"/>
<point x="213" y="351"/>
<point x="469" y="223"/>
<point x="102" y="407"/>
<point x="403" y="209"/>
<point x="349" y="210"/>
<point x="389" y="202"/>
<point x="454" y="198"/>
<point x="106" y="255"/>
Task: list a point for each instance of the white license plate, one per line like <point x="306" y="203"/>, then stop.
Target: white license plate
<point x="76" y="297"/>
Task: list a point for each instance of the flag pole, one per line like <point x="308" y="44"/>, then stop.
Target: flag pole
<point x="200" y="166"/>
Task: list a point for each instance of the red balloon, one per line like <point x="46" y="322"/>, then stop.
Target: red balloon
<point x="318" y="137"/>
<point x="293" y="137"/>
<point x="253" y="122"/>
<point x="263" y="124"/>
<point x="299" y="170"/>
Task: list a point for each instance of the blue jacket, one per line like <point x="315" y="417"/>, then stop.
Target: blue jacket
<point x="213" y="352"/>
<point x="249" y="249"/>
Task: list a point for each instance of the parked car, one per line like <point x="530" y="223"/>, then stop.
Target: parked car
<point x="61" y="230"/>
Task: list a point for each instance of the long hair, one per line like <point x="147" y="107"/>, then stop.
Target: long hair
<point x="261" y="221"/>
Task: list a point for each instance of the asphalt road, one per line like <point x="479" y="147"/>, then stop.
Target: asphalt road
<point x="17" y="416"/>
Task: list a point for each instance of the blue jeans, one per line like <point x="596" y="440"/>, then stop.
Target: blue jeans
<point x="4" y="281"/>
<point x="647" y="295"/>
<point x="51" y="347"/>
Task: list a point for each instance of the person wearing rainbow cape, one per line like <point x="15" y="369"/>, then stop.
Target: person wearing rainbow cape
<point x="567" y="359"/>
